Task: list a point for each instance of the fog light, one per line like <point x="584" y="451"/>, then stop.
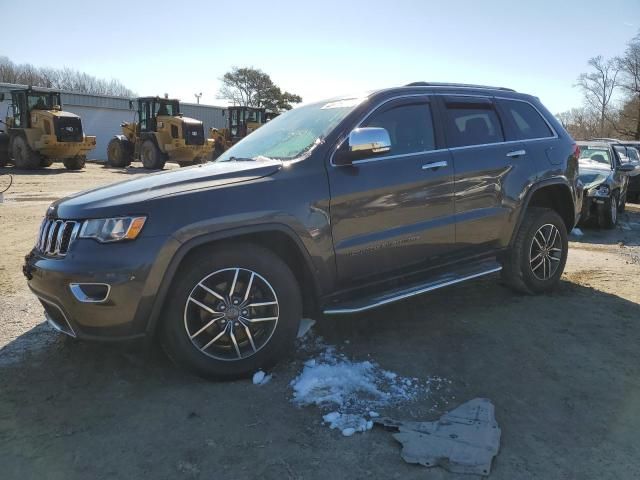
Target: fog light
<point x="90" y="292"/>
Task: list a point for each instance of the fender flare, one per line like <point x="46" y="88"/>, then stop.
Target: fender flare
<point x="185" y="248"/>
<point x="535" y="187"/>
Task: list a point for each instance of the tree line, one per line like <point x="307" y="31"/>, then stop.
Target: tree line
<point x="60" y="79"/>
<point x="611" y="98"/>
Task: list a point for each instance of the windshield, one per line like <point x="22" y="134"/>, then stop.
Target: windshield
<point x="168" y="108"/>
<point x="42" y="101"/>
<point x="293" y="133"/>
<point x="595" y="156"/>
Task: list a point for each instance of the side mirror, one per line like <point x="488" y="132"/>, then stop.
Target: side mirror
<point x="626" y="168"/>
<point x="362" y="143"/>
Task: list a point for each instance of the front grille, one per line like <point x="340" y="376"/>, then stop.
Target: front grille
<point x="193" y="133"/>
<point x="68" y="129"/>
<point x="56" y="236"/>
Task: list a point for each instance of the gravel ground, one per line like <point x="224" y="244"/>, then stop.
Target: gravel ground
<point x="563" y="371"/>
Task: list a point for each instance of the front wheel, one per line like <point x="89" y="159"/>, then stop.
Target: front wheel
<point x="231" y="312"/>
<point x="536" y="260"/>
<point x="23" y="156"/>
<point x="119" y="153"/>
<point x="151" y="156"/>
<point x="75" y="163"/>
<point x="608" y="213"/>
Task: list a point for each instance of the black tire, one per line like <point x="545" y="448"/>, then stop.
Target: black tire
<point x="4" y="156"/>
<point x="608" y="213"/>
<point x="518" y="269"/>
<point x="119" y="154"/>
<point x="46" y="162"/>
<point x="75" y="163"/>
<point x="151" y="156"/>
<point x="180" y="311"/>
<point x="23" y="156"/>
<point x="622" y="204"/>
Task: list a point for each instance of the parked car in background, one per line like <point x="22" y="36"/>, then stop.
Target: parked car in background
<point x="605" y="179"/>
<point x="629" y="152"/>
<point x="331" y="208"/>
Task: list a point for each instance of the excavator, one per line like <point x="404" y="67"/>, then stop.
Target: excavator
<point x="160" y="134"/>
<point x="38" y="132"/>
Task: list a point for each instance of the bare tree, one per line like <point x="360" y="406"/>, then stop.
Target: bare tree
<point x="629" y="65"/>
<point x="599" y="85"/>
<point x="60" y="79"/>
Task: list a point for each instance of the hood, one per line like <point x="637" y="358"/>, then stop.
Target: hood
<point x="592" y="174"/>
<point x="126" y="197"/>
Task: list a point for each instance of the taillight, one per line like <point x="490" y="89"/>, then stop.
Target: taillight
<point x="576" y="150"/>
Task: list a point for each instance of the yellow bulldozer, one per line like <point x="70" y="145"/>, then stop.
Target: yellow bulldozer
<point x="241" y="121"/>
<point x="38" y="132"/>
<point x="160" y="133"/>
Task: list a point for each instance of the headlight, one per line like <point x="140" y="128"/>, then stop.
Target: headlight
<point x="107" y="230"/>
<point x="601" y="191"/>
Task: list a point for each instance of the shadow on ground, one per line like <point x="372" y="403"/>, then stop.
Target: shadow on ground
<point x="563" y="371"/>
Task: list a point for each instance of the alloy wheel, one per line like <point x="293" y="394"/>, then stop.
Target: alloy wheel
<point x="545" y="253"/>
<point x="231" y="314"/>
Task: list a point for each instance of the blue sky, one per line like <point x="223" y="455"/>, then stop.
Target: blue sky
<point x="322" y="49"/>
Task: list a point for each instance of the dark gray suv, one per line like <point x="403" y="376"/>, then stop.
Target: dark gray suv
<point x="332" y="208"/>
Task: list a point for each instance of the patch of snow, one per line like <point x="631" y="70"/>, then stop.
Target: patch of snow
<point x="352" y="389"/>
<point x="576" y="232"/>
<point x="305" y="326"/>
<point x="261" y="378"/>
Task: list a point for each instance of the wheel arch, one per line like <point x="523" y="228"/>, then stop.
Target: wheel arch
<point x="554" y="194"/>
<point x="276" y="237"/>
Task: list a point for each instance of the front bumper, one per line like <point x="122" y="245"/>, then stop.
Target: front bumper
<point x="124" y="267"/>
<point x="592" y="206"/>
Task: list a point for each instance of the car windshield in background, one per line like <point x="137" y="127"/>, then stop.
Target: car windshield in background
<point x="595" y="156"/>
<point x="292" y="134"/>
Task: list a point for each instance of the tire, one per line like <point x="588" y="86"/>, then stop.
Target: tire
<point x="23" y="157"/>
<point x="521" y="270"/>
<point x="118" y="153"/>
<point x="46" y="162"/>
<point x="622" y="204"/>
<point x="75" y="163"/>
<point x="4" y="157"/>
<point x="211" y="353"/>
<point x="608" y="214"/>
<point x="151" y="156"/>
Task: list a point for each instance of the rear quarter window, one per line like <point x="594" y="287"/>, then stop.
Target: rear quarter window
<point x="527" y="122"/>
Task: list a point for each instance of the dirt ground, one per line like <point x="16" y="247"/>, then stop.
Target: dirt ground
<point x="563" y="371"/>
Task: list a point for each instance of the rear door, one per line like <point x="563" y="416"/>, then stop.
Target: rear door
<point x="395" y="209"/>
<point x="489" y="172"/>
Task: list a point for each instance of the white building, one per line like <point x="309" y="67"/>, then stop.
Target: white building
<point x="102" y="115"/>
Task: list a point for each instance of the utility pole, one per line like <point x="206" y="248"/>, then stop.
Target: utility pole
<point x="198" y="95"/>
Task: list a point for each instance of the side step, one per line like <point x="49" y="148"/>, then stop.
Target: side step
<point x="469" y="272"/>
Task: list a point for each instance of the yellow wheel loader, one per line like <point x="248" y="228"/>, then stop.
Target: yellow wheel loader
<point x="241" y="121"/>
<point x="38" y="132"/>
<point x="160" y="134"/>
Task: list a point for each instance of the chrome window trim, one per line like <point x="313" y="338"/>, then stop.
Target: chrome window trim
<point x="428" y="100"/>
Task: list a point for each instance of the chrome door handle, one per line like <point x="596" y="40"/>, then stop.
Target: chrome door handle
<point x="428" y="166"/>
<point x="517" y="153"/>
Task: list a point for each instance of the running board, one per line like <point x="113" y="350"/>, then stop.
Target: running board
<point x="369" y="303"/>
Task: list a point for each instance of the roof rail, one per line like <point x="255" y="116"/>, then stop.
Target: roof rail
<point x="465" y="85"/>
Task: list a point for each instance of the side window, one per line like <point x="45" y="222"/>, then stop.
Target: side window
<point x="471" y="124"/>
<point x="526" y="119"/>
<point x="410" y="127"/>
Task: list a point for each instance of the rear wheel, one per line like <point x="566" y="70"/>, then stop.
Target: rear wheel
<point x="608" y="213"/>
<point x="23" y="156"/>
<point x="118" y="153"/>
<point x="538" y="255"/>
<point x="4" y="156"/>
<point x="46" y="162"/>
<point x="75" y="163"/>
<point x="231" y="312"/>
<point x="151" y="156"/>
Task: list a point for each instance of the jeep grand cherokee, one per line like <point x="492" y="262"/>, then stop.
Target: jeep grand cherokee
<point x="332" y="208"/>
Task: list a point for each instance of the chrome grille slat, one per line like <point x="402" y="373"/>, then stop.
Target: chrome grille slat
<point x="56" y="236"/>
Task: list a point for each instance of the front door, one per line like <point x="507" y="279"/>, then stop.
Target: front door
<point x="394" y="210"/>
